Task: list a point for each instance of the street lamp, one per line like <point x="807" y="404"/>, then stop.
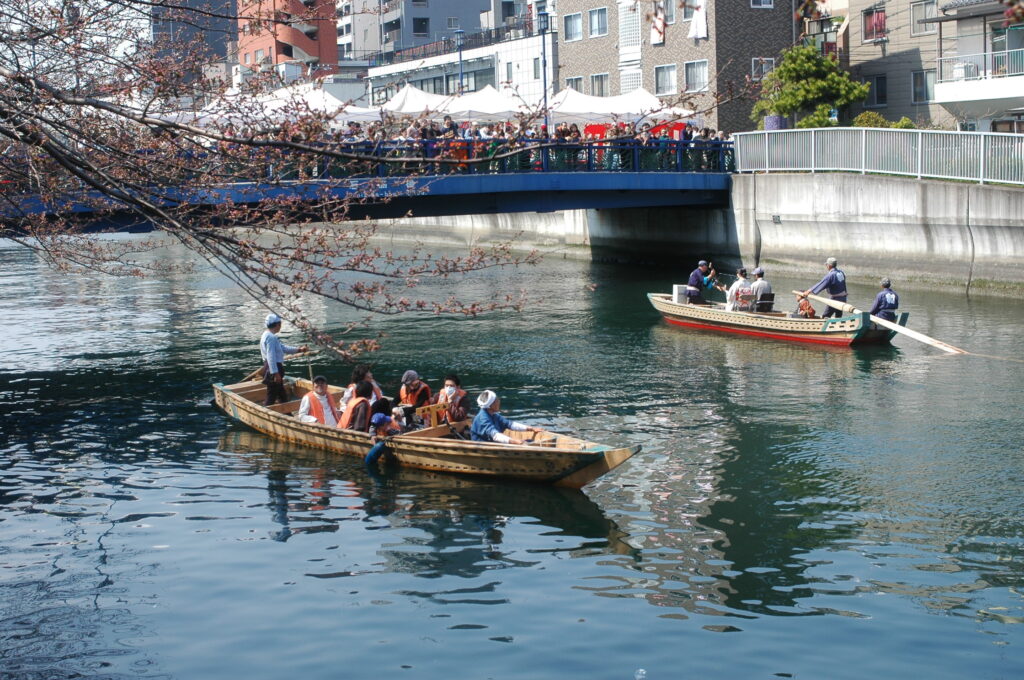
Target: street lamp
<point x="460" y="36"/>
<point x="543" y="23"/>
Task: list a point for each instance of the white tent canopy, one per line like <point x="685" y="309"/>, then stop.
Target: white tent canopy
<point x="414" y="101"/>
<point x="572" y="106"/>
<point x="484" y="104"/>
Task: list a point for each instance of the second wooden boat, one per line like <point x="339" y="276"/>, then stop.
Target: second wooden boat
<point x="850" y="329"/>
<point x="551" y="459"/>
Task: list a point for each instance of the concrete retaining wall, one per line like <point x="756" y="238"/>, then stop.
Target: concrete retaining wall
<point x="932" y="233"/>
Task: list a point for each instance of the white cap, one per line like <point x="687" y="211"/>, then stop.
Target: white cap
<point x="486" y="398"/>
<point x="831" y="262"/>
<point x="272" y="320"/>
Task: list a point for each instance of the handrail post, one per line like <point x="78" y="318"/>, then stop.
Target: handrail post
<point x="920" y="152"/>
<point x="981" y="174"/>
<point x="814" y="141"/>
<point x="864" y="151"/>
<point x="765" y="133"/>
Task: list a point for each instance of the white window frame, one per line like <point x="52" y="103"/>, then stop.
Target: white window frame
<point x="759" y="73"/>
<point x="863" y="22"/>
<point x="924" y="73"/>
<point x="675" y="80"/>
<point x="917" y="29"/>
<point x="536" y="68"/>
<point x="508" y="71"/>
<point x="590" y="22"/>
<point x="762" y="4"/>
<point x="669" y="10"/>
<point x="707" y="76"/>
<point x="626" y="75"/>
<point x="453" y="23"/>
<point x="607" y="84"/>
<point x="573" y="82"/>
<point x="872" y="81"/>
<point x="688" y="10"/>
<point x="565" y="27"/>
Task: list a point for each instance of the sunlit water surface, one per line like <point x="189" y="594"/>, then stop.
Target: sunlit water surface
<point x="795" y="512"/>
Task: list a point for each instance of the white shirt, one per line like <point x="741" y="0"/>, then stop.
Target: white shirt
<point x="304" y="415"/>
<point x="273" y="350"/>
<point x="731" y="303"/>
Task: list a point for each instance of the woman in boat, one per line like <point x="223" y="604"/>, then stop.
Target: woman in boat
<point x="318" y="405"/>
<point x="357" y="410"/>
<point x="734" y="296"/>
<point x="414" y="392"/>
<point x="489" y="425"/>
<point x="456" y="399"/>
<point x="361" y="372"/>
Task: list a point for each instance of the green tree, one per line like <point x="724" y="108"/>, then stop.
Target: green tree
<point x="809" y="85"/>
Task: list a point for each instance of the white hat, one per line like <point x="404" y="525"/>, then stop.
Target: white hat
<point x="832" y="262"/>
<point x="272" y="320"/>
<point x="486" y="398"/>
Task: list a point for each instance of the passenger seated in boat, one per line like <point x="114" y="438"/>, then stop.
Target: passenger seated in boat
<point x="361" y="372"/>
<point x="413" y="394"/>
<point x="318" y="405"/>
<point x="382" y="425"/>
<point x="455" y="397"/>
<point x="357" y="410"/>
<point x="760" y="287"/>
<point x="886" y="302"/>
<point x="739" y="297"/>
<point x="489" y="425"/>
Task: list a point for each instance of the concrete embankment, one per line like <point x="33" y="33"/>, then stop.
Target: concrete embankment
<point x="922" y="233"/>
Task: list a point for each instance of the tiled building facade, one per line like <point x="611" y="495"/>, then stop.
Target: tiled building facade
<point x="609" y="47"/>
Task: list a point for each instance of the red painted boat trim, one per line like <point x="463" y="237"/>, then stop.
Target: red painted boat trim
<point x="818" y="340"/>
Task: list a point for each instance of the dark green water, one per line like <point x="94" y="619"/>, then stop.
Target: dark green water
<point x="796" y="511"/>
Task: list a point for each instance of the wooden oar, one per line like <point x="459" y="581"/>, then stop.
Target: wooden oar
<point x="310" y="353"/>
<point x="920" y="337"/>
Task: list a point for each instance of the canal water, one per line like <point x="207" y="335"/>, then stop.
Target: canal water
<point x="795" y="512"/>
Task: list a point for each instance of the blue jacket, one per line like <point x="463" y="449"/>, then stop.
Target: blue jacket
<point x="835" y="281"/>
<point x="886" y="301"/>
<point x="486" y="425"/>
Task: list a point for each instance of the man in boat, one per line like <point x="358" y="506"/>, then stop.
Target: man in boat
<point x="734" y="301"/>
<point x="489" y="425"/>
<point x="886" y="302"/>
<point x="273" y="350"/>
<point x="361" y="372"/>
<point x="357" y="410"/>
<point x="760" y="286"/>
<point x="455" y="398"/>
<point x="414" y="392"/>
<point x="318" y="406"/>
<point x="835" y="282"/>
<point x="702" y="278"/>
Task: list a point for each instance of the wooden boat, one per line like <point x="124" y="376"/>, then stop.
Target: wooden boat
<point x="851" y="329"/>
<point x="552" y="458"/>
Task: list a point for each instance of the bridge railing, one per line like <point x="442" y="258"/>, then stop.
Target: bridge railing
<point x="458" y="156"/>
<point x="973" y="156"/>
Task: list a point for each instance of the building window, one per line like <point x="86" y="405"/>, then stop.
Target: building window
<point x="878" y="95"/>
<point x="248" y="57"/>
<point x="420" y="26"/>
<point x="259" y="56"/>
<point x="922" y="86"/>
<point x="575" y="83"/>
<point x="760" y="67"/>
<point x="665" y="79"/>
<point x="874" y="24"/>
<point x="688" y="10"/>
<point x="508" y="71"/>
<point x="598" y="22"/>
<point x="599" y="85"/>
<point x="419" y="3"/>
<point x="670" y="11"/>
<point x="629" y="28"/>
<point x="573" y="27"/>
<point x="631" y="80"/>
<point x="696" y="74"/>
<point x="453" y="22"/>
<point x="919" y="11"/>
<point x="762" y="4"/>
<point x="536" y="68"/>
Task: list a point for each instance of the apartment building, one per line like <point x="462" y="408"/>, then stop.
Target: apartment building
<point x="203" y="25"/>
<point x="893" y="46"/>
<point x="301" y="33"/>
<point x="411" y="23"/>
<point x="358" y="29"/>
<point x="712" y="52"/>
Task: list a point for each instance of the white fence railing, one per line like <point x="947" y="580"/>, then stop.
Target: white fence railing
<point x="973" y="156"/>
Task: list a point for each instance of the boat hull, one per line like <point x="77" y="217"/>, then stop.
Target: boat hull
<point x="853" y="329"/>
<point x="561" y="460"/>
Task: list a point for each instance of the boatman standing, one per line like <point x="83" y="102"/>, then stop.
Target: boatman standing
<point x="835" y="282"/>
<point x="273" y="351"/>
<point x="886" y="302"/>
<point x="702" y="278"/>
<point x="489" y="425"/>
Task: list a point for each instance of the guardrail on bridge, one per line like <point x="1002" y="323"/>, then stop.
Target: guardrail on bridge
<point x="985" y="157"/>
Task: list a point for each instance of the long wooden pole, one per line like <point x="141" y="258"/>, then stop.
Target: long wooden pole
<point x="921" y="337"/>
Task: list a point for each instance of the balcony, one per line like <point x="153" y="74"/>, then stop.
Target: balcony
<point x="985" y="81"/>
